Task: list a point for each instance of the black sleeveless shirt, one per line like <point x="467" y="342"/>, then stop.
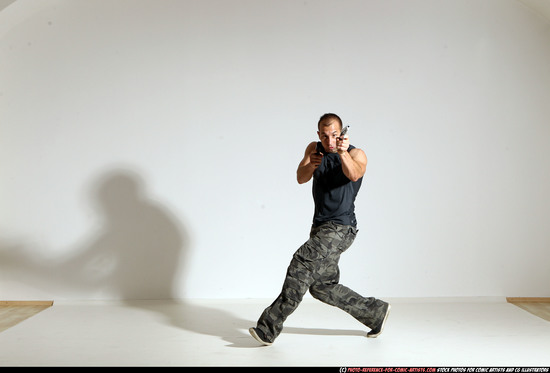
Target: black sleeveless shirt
<point x="333" y="193"/>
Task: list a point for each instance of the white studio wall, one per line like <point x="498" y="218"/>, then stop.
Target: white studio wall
<point x="148" y="149"/>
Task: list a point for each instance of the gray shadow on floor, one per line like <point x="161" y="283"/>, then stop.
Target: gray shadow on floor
<point x="221" y="323"/>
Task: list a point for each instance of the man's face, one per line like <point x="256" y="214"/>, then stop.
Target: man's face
<point x="329" y="130"/>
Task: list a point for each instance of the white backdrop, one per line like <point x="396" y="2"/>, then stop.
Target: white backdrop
<point x="148" y="148"/>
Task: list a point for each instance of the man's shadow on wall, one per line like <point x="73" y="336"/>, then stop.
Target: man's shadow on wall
<point x="141" y="246"/>
<point x="137" y="248"/>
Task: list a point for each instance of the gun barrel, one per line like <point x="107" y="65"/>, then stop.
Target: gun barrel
<point x="344" y="132"/>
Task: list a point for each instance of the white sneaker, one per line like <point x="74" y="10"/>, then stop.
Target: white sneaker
<point x="256" y="334"/>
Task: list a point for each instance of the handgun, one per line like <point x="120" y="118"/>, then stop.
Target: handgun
<point x="344" y="133"/>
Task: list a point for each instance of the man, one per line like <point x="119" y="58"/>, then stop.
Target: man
<point x="337" y="169"/>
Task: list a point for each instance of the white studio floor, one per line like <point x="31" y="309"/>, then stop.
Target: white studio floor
<point x="419" y="332"/>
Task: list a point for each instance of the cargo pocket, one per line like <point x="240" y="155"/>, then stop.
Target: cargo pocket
<point x="349" y="236"/>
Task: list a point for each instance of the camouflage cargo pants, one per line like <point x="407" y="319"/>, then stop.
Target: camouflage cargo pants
<point x="314" y="267"/>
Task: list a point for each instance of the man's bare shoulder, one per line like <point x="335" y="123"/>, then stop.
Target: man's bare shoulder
<point x="358" y="154"/>
<point x="312" y="145"/>
<point x="357" y="151"/>
<point x="310" y="148"/>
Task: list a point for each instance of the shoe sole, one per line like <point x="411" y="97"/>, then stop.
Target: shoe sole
<point x="257" y="337"/>
<point x="383" y="323"/>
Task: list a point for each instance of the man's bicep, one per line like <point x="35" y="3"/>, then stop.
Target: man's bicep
<point x="360" y="158"/>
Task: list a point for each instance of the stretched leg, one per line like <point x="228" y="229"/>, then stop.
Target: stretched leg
<point x="367" y="310"/>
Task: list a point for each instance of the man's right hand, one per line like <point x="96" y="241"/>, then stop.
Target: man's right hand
<point x="311" y="160"/>
<point x="315" y="159"/>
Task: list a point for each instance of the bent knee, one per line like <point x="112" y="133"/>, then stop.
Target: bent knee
<point x="319" y="291"/>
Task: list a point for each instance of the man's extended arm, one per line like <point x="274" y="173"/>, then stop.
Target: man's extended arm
<point x="354" y="164"/>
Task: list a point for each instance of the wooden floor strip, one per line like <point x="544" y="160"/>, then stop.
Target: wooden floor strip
<point x="528" y="300"/>
<point x="14" y="312"/>
<point x="537" y="306"/>
<point x="26" y="302"/>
